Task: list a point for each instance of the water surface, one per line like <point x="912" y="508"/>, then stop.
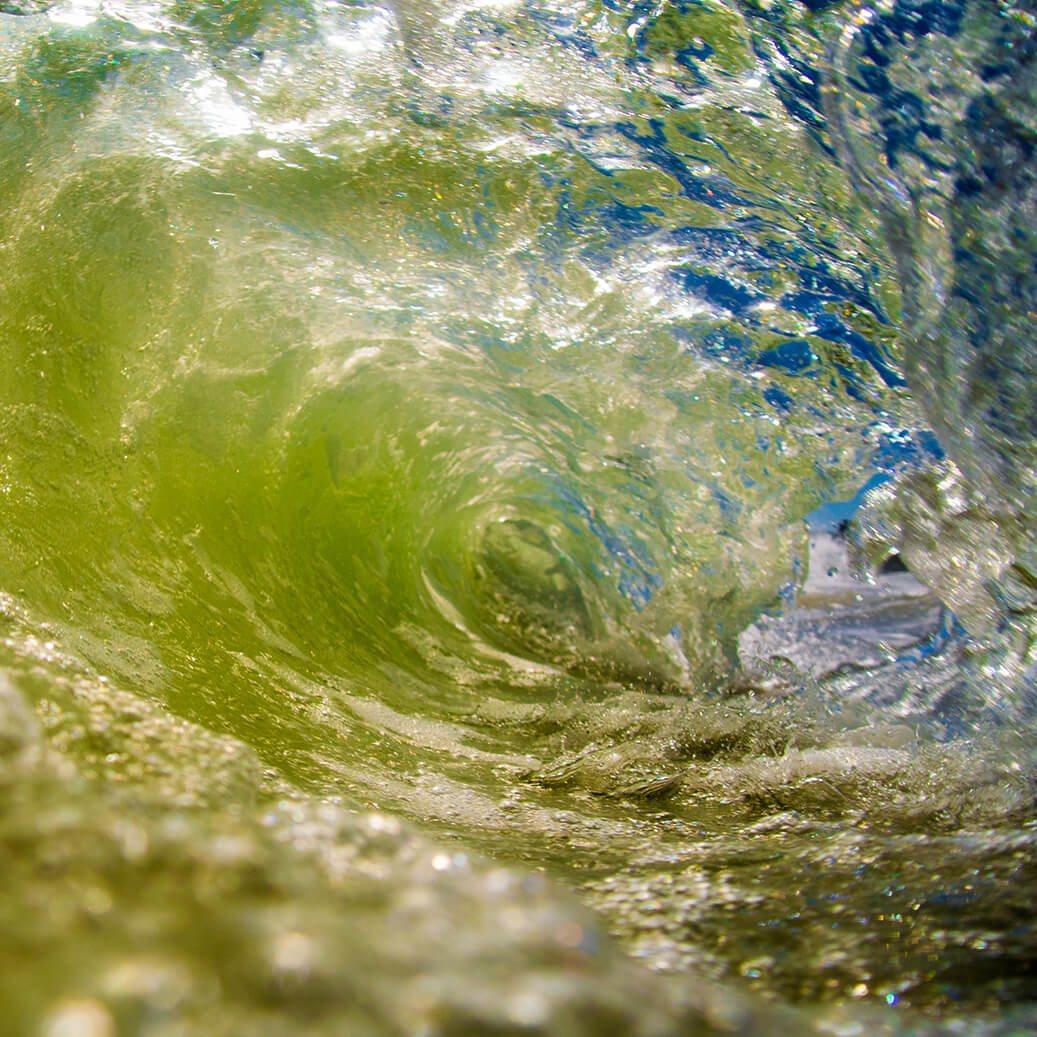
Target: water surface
<point x="517" y="517"/>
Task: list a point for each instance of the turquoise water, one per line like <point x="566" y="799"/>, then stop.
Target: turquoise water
<point x="422" y="434"/>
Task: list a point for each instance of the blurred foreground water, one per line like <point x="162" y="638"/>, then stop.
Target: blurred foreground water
<point x="517" y="517"/>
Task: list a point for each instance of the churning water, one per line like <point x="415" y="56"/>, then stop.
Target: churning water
<point x="517" y="517"/>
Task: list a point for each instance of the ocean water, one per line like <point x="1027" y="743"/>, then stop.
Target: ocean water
<point x="517" y="517"/>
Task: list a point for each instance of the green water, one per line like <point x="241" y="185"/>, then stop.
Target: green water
<point x="408" y="420"/>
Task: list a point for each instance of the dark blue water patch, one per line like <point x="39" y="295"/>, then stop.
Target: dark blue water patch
<point x="909" y="19"/>
<point x="794" y="103"/>
<point x="718" y="291"/>
<point x="902" y="449"/>
<point x="691" y="56"/>
<point x="850" y="383"/>
<point x="781" y="402"/>
<point x="635" y="10"/>
<point x="623" y="223"/>
<point x="793" y="357"/>
<point x="713" y="191"/>
<point x="639" y="589"/>
<point x="830" y="327"/>
<point x="902" y="123"/>
<point x="819" y="289"/>
<point x="796" y="83"/>
<point x="899" y="114"/>
<point x="616" y="224"/>
<point x="818" y="285"/>
<point x="758" y="255"/>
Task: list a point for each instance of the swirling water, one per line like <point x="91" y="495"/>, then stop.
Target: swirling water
<point x="422" y="434"/>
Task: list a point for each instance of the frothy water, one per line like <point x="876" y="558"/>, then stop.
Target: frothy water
<point x="517" y="517"/>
